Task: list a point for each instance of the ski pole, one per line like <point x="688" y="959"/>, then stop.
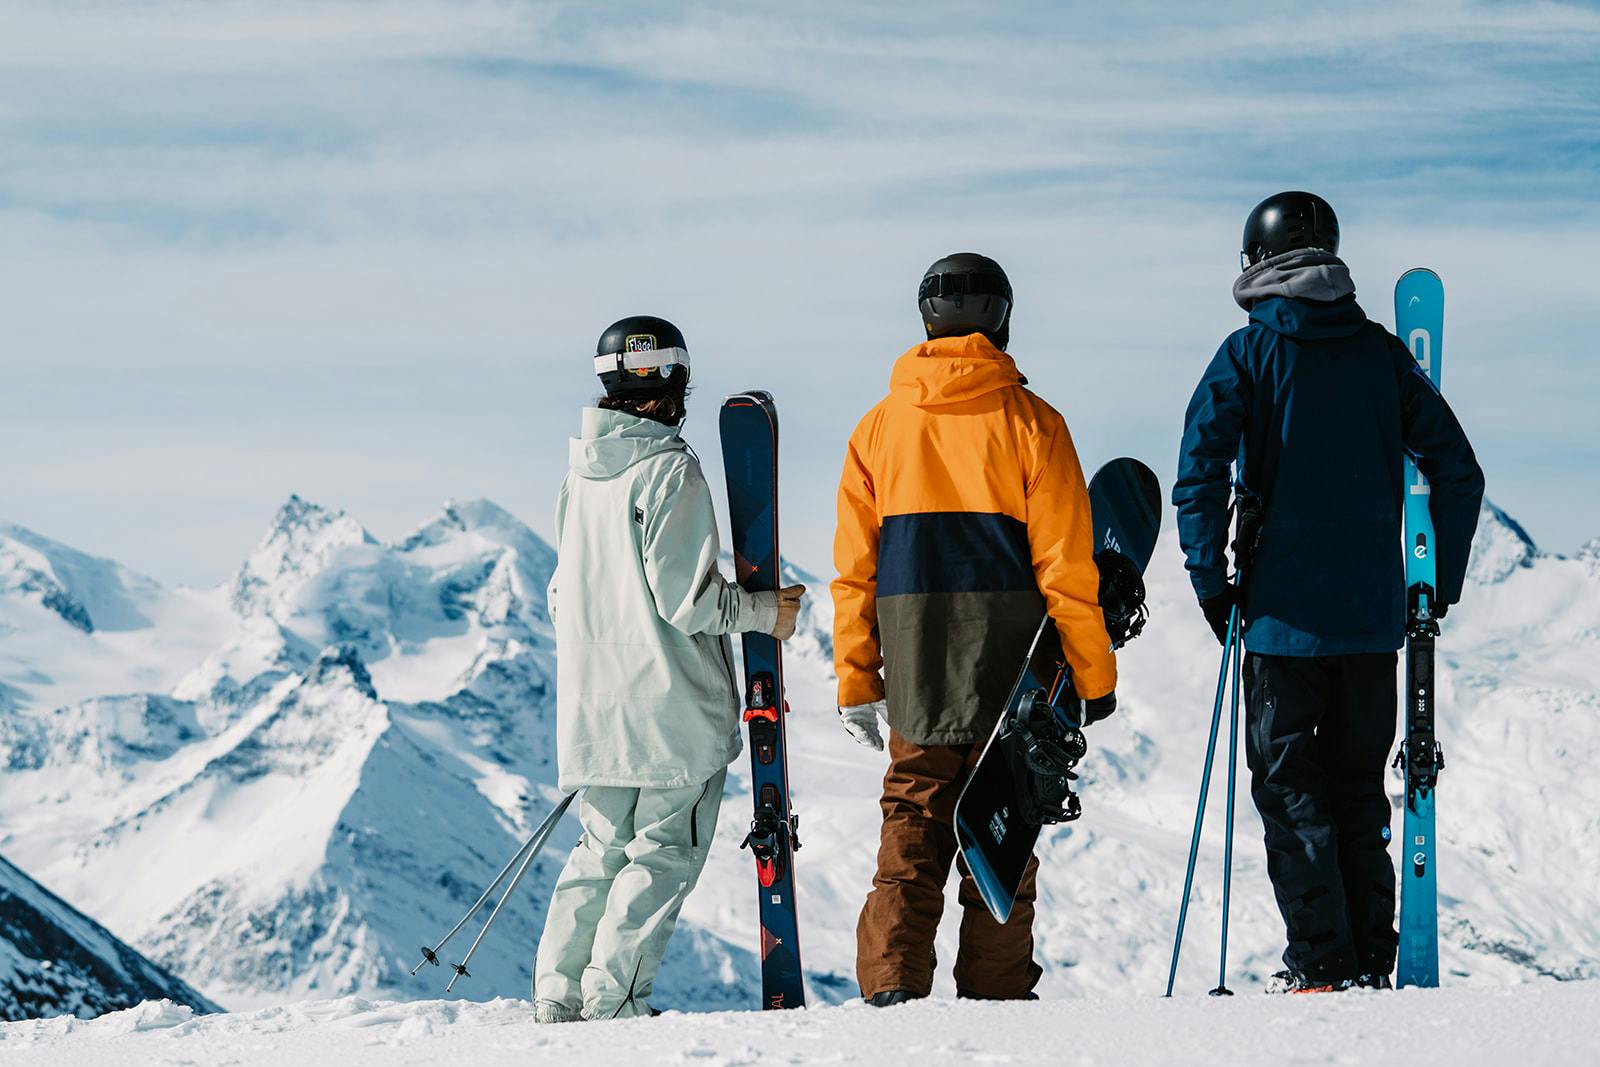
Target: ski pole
<point x="1222" y="989"/>
<point x="1205" y="786"/>
<point x="545" y="831"/>
<point x="431" y="955"/>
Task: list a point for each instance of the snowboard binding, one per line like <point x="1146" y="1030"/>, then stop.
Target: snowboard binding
<point x="1048" y="748"/>
<point x="1121" y="597"/>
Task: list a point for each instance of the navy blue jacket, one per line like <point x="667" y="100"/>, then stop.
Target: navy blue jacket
<point x="1319" y="406"/>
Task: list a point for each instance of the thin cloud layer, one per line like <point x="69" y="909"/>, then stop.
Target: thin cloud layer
<point x="388" y="237"/>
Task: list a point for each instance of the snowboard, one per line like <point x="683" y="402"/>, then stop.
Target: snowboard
<point x="998" y="816"/>
<point x="1419" y="322"/>
<point x="749" y="427"/>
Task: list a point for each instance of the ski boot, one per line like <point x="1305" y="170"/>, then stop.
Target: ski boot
<point x="1296" y="984"/>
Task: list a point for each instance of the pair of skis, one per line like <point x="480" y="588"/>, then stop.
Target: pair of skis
<point x="1419" y="322"/>
<point x="749" y="428"/>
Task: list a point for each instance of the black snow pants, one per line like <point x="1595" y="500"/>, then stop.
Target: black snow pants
<point x="1320" y="731"/>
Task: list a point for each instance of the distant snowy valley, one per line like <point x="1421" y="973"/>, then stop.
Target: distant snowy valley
<point x="277" y="789"/>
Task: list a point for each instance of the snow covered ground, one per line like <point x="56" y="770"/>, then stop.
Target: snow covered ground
<point x="1547" y="1023"/>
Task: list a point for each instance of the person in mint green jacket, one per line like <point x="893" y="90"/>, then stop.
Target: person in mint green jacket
<point x="647" y="707"/>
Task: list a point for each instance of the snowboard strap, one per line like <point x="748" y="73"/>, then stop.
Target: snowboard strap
<point x="1046" y="748"/>
<point x="1121" y="597"/>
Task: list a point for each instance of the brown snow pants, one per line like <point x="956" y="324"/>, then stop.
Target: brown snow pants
<point x="894" y="939"/>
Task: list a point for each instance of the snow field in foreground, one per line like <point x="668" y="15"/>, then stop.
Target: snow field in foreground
<point x="1541" y="1023"/>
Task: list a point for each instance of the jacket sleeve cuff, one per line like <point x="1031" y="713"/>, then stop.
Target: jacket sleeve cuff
<point x="857" y="689"/>
<point x="1209" y="584"/>
<point x="1096" y="684"/>
<point x="758" y="612"/>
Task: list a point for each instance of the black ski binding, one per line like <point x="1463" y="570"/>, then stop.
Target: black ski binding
<point x="1421" y="771"/>
<point x="1420" y="620"/>
<point x="768" y="835"/>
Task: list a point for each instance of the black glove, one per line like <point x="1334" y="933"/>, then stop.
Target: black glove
<point x="1218" y="609"/>
<point x="1440" y="609"/>
<point x="1099" y="708"/>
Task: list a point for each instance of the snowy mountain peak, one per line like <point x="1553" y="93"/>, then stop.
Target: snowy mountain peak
<point x="27" y="572"/>
<point x="84" y="591"/>
<point x="1500" y="547"/>
<point x="463" y="516"/>
<point x="486" y="523"/>
<point x="303" y="537"/>
<point x="342" y="664"/>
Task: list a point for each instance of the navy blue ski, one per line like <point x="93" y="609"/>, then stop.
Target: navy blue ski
<point x="750" y="455"/>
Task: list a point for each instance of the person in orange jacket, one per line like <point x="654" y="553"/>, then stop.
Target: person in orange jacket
<point x="963" y="518"/>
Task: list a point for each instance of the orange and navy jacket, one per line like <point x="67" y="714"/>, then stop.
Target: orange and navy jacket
<point x="963" y="517"/>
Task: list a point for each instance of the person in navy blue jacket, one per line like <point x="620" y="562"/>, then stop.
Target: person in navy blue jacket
<point x="1317" y="406"/>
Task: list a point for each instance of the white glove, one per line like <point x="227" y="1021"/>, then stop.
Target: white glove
<point x="862" y="722"/>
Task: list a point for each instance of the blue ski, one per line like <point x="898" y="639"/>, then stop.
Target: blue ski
<point x="1419" y="321"/>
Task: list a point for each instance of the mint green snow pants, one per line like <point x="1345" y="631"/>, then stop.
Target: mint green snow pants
<point x="618" y="898"/>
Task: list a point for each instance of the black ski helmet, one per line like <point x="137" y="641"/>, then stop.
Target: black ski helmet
<point x="1288" y="221"/>
<point x="642" y="356"/>
<point x="966" y="293"/>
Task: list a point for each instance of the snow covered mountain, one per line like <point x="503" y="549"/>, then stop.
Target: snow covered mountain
<point x="269" y="825"/>
<point x="56" y="961"/>
<point x="281" y="787"/>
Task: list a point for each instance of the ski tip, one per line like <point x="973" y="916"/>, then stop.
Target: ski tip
<point x="1419" y="281"/>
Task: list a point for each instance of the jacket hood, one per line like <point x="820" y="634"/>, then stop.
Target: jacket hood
<point x="610" y="442"/>
<point x="1310" y="320"/>
<point x="1302" y="273"/>
<point x="948" y="370"/>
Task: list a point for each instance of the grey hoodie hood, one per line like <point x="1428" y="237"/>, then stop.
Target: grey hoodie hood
<point x="610" y="442"/>
<point x="1304" y="274"/>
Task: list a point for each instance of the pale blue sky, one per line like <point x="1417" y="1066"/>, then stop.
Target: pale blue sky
<point x="363" y="252"/>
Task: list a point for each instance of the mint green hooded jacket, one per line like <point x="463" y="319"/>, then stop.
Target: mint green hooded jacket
<point x="645" y="689"/>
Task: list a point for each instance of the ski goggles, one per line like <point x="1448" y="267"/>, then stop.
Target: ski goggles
<point x="641" y="361"/>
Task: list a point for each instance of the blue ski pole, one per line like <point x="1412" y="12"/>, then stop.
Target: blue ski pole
<point x="1222" y="989"/>
<point x="1205" y="786"/>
